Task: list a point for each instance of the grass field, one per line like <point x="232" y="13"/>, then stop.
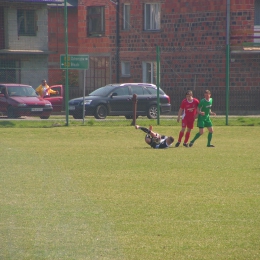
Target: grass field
<point x="99" y="192"/>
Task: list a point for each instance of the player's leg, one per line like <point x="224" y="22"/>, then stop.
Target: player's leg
<point x="181" y="133"/>
<point x="200" y="124"/>
<point x="209" y="125"/>
<point x="190" y="125"/>
<point x="148" y="131"/>
<point x="154" y="134"/>
<point x="210" y="134"/>
<point x="187" y="137"/>
<point x="144" y="129"/>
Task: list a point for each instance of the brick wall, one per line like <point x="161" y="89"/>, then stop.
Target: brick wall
<point x="192" y="39"/>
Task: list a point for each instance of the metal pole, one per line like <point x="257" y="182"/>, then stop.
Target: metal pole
<point x="158" y="83"/>
<point x="117" y="42"/>
<point x="66" y="67"/>
<point x="84" y="94"/>
<point x="134" y="108"/>
<point x="227" y="60"/>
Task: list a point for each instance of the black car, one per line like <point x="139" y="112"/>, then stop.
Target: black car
<point x="117" y="100"/>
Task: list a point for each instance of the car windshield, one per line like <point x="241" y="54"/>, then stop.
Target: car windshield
<point x="21" y="91"/>
<point x="103" y="92"/>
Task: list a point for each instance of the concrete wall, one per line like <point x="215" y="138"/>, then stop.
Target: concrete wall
<point x="38" y="42"/>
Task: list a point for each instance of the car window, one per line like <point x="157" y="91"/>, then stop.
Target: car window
<point x="146" y="92"/>
<point x="121" y="91"/>
<point x="14" y="91"/>
<point x="138" y="90"/>
<point x="103" y="91"/>
<point x="30" y="92"/>
<point x="2" y="90"/>
<point x="153" y="91"/>
<point x="21" y="91"/>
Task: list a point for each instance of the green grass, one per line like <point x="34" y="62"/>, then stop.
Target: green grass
<point x="59" y="121"/>
<point x="99" y="192"/>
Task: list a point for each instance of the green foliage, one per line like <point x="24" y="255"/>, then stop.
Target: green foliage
<point x="99" y="192"/>
<point x="73" y="79"/>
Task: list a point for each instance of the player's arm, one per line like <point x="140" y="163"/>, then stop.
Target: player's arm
<point x="199" y="112"/>
<point x="179" y="114"/>
<point x="212" y="113"/>
<point x="196" y="114"/>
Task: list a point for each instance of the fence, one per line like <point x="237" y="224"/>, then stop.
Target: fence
<point x="30" y="53"/>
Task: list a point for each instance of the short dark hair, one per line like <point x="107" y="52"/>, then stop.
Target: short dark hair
<point x="171" y="139"/>
<point x="207" y="91"/>
<point x="189" y="92"/>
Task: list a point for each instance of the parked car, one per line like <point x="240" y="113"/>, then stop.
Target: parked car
<point x="18" y="100"/>
<point x="56" y="99"/>
<point x="117" y="100"/>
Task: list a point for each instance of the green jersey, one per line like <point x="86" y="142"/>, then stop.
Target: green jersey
<point x="205" y="106"/>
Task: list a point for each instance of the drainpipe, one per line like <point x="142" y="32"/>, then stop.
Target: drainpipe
<point x="227" y="58"/>
<point x="117" y="42"/>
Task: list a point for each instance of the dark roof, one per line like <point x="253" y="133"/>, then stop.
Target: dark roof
<point x="39" y="1"/>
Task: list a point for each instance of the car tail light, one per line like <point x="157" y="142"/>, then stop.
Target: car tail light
<point x="168" y="98"/>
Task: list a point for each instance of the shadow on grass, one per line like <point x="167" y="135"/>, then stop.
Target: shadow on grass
<point x="7" y="124"/>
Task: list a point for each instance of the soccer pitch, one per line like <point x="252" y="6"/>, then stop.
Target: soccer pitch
<point x="97" y="192"/>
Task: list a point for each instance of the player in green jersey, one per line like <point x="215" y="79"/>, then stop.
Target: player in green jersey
<point x="204" y="111"/>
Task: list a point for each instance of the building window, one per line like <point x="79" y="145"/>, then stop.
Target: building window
<point x="126" y="21"/>
<point x="26" y="22"/>
<point x="152" y="16"/>
<point x="125" y="68"/>
<point x="96" y="21"/>
<point x="149" y="72"/>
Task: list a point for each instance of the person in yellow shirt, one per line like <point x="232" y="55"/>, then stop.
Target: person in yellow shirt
<point x="44" y="90"/>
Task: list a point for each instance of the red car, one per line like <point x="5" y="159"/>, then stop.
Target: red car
<point x="18" y="100"/>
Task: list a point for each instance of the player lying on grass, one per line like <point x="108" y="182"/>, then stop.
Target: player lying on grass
<point x="154" y="139"/>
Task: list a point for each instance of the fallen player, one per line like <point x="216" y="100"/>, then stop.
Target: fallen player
<point x="154" y="139"/>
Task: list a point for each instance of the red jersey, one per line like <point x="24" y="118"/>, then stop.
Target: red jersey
<point x="189" y="109"/>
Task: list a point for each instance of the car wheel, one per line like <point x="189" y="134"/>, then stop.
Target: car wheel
<point x="152" y="112"/>
<point x="101" y="112"/>
<point x="44" y="117"/>
<point x="10" y="112"/>
<point x="77" y="116"/>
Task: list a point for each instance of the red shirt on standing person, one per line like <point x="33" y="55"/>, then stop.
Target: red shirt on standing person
<point x="189" y="108"/>
<point x="188" y="112"/>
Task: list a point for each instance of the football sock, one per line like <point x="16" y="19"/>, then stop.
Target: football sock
<point x="181" y="134"/>
<point x="187" y="136"/>
<point x="195" y="137"/>
<point x="209" y="138"/>
<point x="144" y="129"/>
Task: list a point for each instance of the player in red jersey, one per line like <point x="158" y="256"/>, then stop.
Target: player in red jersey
<point x="188" y="111"/>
